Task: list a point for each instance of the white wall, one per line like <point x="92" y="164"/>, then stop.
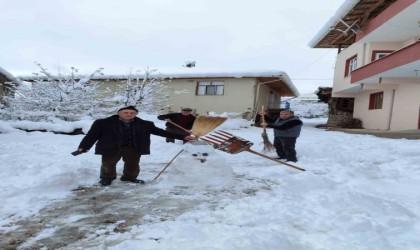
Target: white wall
<point x="238" y="95"/>
<point x="370" y="47"/>
<point x="374" y="118"/>
<point x="403" y="116"/>
<point x="340" y="81"/>
<point x="364" y="56"/>
<point x="406" y="107"/>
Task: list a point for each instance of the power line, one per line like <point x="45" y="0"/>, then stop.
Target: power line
<point x="316" y="60"/>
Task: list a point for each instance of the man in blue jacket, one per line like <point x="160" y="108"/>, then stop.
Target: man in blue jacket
<point x="287" y="129"/>
<point x="123" y="136"/>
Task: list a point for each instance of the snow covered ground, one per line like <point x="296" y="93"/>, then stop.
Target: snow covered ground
<point x="359" y="192"/>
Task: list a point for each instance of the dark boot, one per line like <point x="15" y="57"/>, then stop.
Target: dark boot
<point x="105" y="182"/>
<point x="132" y="180"/>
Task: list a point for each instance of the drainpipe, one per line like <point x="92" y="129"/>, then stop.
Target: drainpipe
<point x="391" y="109"/>
<point x="363" y="56"/>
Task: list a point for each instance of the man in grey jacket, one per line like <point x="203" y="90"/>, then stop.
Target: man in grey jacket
<point x="287" y="129"/>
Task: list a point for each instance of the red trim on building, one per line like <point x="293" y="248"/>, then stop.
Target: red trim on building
<point x="396" y="59"/>
<point x="347" y="69"/>
<point x="376" y="100"/>
<point x="384" y="17"/>
<point x="375" y="52"/>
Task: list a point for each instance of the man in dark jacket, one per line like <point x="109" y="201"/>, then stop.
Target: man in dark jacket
<point x="184" y="120"/>
<point x="123" y="136"/>
<point x="286" y="130"/>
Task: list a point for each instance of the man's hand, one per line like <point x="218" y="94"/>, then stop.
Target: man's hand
<point x="190" y="138"/>
<point x="263" y="124"/>
<point x="167" y="120"/>
<point x="79" y="151"/>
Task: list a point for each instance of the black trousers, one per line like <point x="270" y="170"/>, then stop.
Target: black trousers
<point x="285" y="148"/>
<point x="131" y="160"/>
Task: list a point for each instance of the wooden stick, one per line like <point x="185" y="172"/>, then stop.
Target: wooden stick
<point x="262" y="116"/>
<point x="167" y="165"/>
<point x="173" y="123"/>
<point x="285" y="163"/>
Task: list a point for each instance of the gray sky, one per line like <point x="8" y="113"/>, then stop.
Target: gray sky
<point x="235" y="35"/>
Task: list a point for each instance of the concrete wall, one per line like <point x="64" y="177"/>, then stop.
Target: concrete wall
<point x="238" y="95"/>
<point x="364" y="56"/>
<point x="373" y="118"/>
<point x="400" y="109"/>
<point x="263" y="97"/>
<point x="370" y="47"/>
<point x="342" y="82"/>
<point x="405" y="115"/>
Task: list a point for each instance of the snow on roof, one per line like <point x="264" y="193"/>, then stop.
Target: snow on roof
<point x="332" y="22"/>
<point x="196" y="73"/>
<point x="9" y="76"/>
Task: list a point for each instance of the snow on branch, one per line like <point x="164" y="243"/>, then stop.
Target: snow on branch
<point x="67" y="96"/>
<point x="147" y="90"/>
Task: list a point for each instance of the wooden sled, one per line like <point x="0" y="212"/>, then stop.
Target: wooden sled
<point x="232" y="144"/>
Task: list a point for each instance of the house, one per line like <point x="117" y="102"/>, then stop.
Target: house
<point x="236" y="92"/>
<point x="6" y="80"/>
<point x="377" y="72"/>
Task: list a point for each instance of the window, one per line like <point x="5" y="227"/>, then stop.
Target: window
<point x="351" y="64"/>
<point x="378" y="54"/>
<point x="210" y="88"/>
<point x="376" y="100"/>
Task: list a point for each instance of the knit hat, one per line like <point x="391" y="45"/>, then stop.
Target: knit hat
<point x="129" y="107"/>
<point x="186" y="109"/>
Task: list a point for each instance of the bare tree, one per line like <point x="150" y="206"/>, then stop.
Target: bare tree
<point x="147" y="90"/>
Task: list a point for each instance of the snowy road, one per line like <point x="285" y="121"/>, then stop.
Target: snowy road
<point x="359" y="192"/>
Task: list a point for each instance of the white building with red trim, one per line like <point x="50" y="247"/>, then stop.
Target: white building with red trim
<point x="378" y="62"/>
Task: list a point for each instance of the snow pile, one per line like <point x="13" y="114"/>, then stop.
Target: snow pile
<point x="234" y="121"/>
<point x="6" y="127"/>
<point x="308" y="106"/>
<point x="199" y="165"/>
